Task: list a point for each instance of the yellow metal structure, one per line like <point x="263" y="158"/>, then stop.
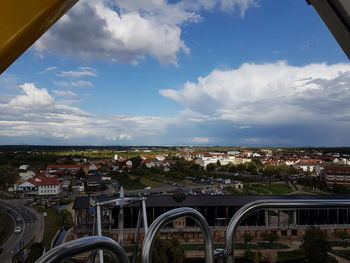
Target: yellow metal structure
<point x="22" y="22"/>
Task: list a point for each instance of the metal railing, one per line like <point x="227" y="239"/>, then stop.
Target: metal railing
<point x="99" y="242"/>
<point x="169" y="216"/>
<point x="82" y="245"/>
<point x="270" y="204"/>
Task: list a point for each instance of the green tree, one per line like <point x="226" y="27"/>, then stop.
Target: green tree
<point x="8" y="176"/>
<point x="316" y="246"/>
<point x="247" y="238"/>
<point x="136" y="162"/>
<point x="80" y="174"/>
<point x="270" y="236"/>
<point x="66" y="219"/>
<point x="340" y="189"/>
<point x="168" y="251"/>
<point x="211" y="167"/>
<point x="343" y="235"/>
<point x="270" y="171"/>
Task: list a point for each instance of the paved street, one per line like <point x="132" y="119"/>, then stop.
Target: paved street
<point x="29" y="223"/>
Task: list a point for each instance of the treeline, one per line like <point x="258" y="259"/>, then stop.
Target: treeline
<point x="35" y="159"/>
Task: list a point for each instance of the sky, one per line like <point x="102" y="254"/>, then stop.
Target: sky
<point x="184" y="72"/>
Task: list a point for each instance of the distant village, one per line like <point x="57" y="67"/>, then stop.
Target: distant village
<point x="333" y="169"/>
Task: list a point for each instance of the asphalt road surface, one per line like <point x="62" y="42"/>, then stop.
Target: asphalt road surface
<point x="28" y="223"/>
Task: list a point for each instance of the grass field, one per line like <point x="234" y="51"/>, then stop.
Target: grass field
<point x="52" y="225"/>
<point x="270" y="189"/>
<point x="128" y="182"/>
<point x="6" y="226"/>
<point x="151" y="183"/>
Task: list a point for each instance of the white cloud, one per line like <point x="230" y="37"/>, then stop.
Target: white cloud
<point x="32" y="97"/>
<point x="48" y="69"/>
<point x="119" y="137"/>
<point x="200" y="140"/>
<point x="73" y="84"/>
<point x="275" y="93"/>
<point x="77" y="74"/>
<point x="65" y="93"/>
<point x="273" y="103"/>
<point x="36" y="114"/>
<point x="127" y="31"/>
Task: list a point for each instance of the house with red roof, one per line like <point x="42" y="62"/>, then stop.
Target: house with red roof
<point x="41" y="185"/>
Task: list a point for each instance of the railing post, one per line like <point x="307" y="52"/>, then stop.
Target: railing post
<point x="82" y="245"/>
<point x="169" y="216"/>
<point x="269" y="204"/>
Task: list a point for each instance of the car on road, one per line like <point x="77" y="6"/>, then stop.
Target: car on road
<point x="18" y="229"/>
<point x="18" y="218"/>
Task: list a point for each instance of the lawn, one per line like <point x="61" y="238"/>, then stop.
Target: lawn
<point x="270" y="189"/>
<point x="52" y="225"/>
<point x="6" y="226"/>
<point x="258" y="190"/>
<point x="129" y="183"/>
<point x="151" y="183"/>
<point x="279" y="189"/>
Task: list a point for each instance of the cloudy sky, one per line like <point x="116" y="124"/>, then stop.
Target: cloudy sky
<point x="180" y="72"/>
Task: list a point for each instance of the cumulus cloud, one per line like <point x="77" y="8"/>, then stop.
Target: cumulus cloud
<point x="76" y="74"/>
<point x="272" y="102"/>
<point x="32" y="97"/>
<point x="36" y="114"/>
<point x="254" y="104"/>
<point x="273" y="93"/>
<point x="73" y="84"/>
<point x="127" y="31"/>
<point x="65" y="93"/>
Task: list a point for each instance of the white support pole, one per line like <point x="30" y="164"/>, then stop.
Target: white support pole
<point x="99" y="228"/>
<point x="121" y="218"/>
<point x="144" y="212"/>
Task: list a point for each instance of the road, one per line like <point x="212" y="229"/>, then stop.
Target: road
<point x="29" y="224"/>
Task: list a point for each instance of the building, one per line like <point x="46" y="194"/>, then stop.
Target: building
<point x="217" y="210"/>
<point x="337" y="175"/>
<point x="41" y="185"/>
<point x="67" y="167"/>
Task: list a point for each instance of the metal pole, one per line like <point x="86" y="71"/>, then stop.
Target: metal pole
<point x="82" y="245"/>
<point x="137" y="236"/>
<point x="121" y="218"/>
<point x="99" y="228"/>
<point x="144" y="212"/>
<point x="269" y="204"/>
<point x="169" y="216"/>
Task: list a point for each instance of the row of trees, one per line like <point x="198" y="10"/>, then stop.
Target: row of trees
<point x="8" y="176"/>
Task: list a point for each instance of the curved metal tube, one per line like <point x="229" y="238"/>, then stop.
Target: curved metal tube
<point x="82" y="245"/>
<point x="169" y="216"/>
<point x="268" y="204"/>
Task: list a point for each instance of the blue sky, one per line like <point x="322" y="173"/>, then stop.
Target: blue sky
<point x="212" y="72"/>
